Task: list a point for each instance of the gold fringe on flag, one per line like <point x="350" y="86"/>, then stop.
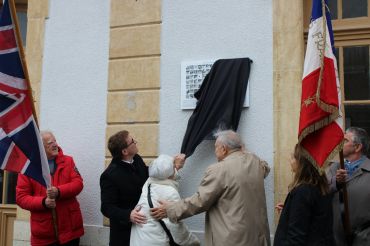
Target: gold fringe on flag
<point x="333" y="110"/>
<point x="330" y="157"/>
<point x="318" y="125"/>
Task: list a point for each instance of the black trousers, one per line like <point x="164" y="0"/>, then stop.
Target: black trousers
<point x="74" y="242"/>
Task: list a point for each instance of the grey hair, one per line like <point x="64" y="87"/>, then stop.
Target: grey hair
<point x="360" y="136"/>
<point x="229" y="139"/>
<point x="45" y="132"/>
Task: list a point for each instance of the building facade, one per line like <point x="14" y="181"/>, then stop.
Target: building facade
<point x="97" y="67"/>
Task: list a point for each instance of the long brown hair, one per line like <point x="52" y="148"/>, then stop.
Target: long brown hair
<point x="306" y="173"/>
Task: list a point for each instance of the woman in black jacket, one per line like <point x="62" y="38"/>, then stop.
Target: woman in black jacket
<point x="306" y="217"/>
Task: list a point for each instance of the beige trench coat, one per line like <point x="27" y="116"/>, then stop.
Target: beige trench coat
<point x="233" y="195"/>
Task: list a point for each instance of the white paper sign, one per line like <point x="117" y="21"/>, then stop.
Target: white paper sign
<point x="192" y="76"/>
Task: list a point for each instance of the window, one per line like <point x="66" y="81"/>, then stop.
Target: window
<point x="351" y="26"/>
<point x="8" y="181"/>
<point x="353" y="8"/>
<point x="345" y="9"/>
<point x="355" y="81"/>
<point x="346" y="14"/>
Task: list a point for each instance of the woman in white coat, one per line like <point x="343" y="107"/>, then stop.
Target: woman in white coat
<point x="163" y="186"/>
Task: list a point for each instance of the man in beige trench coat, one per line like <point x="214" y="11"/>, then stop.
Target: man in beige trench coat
<point x="231" y="193"/>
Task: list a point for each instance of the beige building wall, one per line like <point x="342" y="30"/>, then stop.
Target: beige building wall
<point x="288" y="54"/>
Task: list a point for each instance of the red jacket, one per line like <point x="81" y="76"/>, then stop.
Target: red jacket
<point x="30" y="195"/>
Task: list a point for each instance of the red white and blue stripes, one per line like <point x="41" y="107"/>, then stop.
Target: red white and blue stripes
<point x="21" y="148"/>
<point x="320" y="125"/>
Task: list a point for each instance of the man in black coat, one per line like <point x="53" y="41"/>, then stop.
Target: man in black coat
<point x="121" y="185"/>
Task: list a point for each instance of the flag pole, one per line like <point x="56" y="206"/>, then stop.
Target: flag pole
<point x="29" y="88"/>
<point x="345" y="215"/>
<point x="345" y="219"/>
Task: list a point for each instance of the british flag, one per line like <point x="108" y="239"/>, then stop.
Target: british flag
<point x="21" y="148"/>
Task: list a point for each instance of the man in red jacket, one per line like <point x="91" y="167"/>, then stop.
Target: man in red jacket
<point x="67" y="183"/>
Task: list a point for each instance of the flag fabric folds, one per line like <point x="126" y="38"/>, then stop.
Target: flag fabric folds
<point x="21" y="148"/>
<point x="320" y="124"/>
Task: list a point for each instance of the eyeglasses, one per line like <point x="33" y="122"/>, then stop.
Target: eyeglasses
<point x="50" y="143"/>
<point x="132" y="142"/>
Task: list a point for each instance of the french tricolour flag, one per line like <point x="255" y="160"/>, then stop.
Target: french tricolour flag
<point x="320" y="124"/>
<point x="21" y="148"/>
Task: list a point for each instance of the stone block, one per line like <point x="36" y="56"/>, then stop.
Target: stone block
<point x="38" y="8"/>
<point x="135" y="12"/>
<point x="35" y="37"/>
<point x="138" y="73"/>
<point x="288" y="51"/>
<point x="21" y="231"/>
<point x="21" y="243"/>
<point x="23" y="214"/>
<point x="288" y="15"/>
<point x="135" y="41"/>
<point x="133" y="106"/>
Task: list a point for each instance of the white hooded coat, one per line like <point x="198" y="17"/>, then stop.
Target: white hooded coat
<point x="152" y="232"/>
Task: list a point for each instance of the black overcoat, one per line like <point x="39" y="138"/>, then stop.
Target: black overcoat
<point x="306" y="219"/>
<point x="120" y="186"/>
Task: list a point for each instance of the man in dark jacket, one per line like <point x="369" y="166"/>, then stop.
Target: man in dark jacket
<point x="66" y="185"/>
<point x="121" y="185"/>
<point x="356" y="177"/>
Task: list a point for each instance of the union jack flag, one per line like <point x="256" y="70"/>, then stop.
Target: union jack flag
<point x="21" y="148"/>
